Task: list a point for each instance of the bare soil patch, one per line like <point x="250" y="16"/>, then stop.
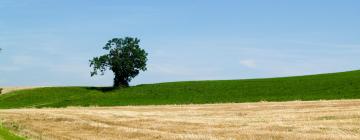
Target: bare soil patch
<point x="338" y="119"/>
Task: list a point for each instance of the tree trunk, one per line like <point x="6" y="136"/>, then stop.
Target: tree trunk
<point x="120" y="82"/>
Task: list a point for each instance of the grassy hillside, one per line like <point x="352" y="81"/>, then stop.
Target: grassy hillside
<point x="344" y="85"/>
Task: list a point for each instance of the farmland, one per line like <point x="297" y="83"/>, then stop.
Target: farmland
<point x="345" y="85"/>
<point x="324" y="106"/>
<point x="337" y="119"/>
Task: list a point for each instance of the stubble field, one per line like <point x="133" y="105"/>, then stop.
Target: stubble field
<point x="339" y="119"/>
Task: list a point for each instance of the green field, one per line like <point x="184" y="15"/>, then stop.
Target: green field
<point x="345" y="85"/>
<point x="7" y="135"/>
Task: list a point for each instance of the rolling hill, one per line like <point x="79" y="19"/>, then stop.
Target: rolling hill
<point x="344" y="85"/>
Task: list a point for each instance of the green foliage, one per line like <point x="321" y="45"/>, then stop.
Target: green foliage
<point x="125" y="58"/>
<point x="325" y="86"/>
<point x="5" y="134"/>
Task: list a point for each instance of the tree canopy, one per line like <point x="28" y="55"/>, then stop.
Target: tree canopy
<point x="125" y="59"/>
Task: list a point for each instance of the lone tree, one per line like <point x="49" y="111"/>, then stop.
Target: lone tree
<point x="125" y="58"/>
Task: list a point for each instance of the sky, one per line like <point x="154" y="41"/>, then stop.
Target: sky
<point x="50" y="42"/>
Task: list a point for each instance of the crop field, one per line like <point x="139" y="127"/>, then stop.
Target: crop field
<point x="337" y="119"/>
<point x="345" y="85"/>
<point x="223" y="109"/>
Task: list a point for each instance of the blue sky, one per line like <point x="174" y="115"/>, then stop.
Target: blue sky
<point x="49" y="42"/>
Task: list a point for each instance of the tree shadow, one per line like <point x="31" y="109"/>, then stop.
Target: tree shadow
<point x="102" y="89"/>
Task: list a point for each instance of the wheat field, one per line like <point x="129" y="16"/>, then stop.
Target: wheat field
<point x="338" y="119"/>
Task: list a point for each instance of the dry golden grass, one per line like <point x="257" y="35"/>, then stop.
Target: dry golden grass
<point x="267" y="120"/>
<point x="10" y="89"/>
